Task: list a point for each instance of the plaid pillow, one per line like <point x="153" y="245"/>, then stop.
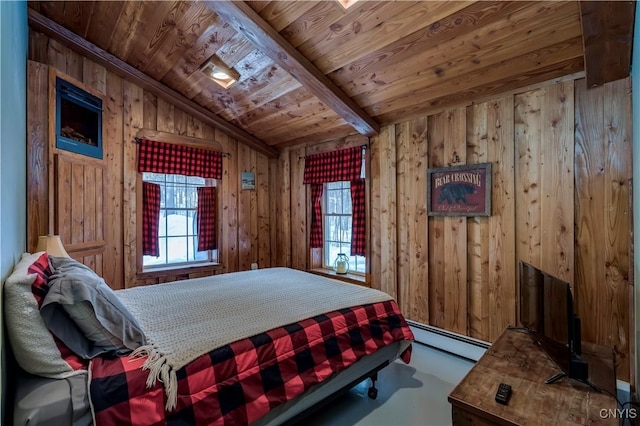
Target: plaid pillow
<point x="40" y="288"/>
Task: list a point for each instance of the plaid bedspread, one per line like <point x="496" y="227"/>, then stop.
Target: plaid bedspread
<point x="240" y="382"/>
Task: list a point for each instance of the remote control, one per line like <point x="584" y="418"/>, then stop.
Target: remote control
<point x="503" y="394"/>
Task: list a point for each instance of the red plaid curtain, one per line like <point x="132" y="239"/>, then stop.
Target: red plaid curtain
<point x="358" y="215"/>
<point x="316" y="239"/>
<point x="207" y="218"/>
<point x="150" y="218"/>
<point x="334" y="166"/>
<point x="160" y="157"/>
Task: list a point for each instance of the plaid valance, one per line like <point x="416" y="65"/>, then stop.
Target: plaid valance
<point x="333" y="166"/>
<point x="161" y="157"/>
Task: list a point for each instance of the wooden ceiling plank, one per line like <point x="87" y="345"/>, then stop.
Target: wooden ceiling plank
<point x="302" y="129"/>
<point x="161" y="25"/>
<point x="249" y="67"/>
<point x="467" y="22"/>
<point x="190" y="86"/>
<point x="270" y="83"/>
<point x="353" y="27"/>
<point x="296" y="103"/>
<point x="235" y="49"/>
<point x="260" y="86"/>
<point x="420" y="16"/>
<point x="121" y="68"/>
<point x="401" y="80"/>
<point x="196" y="19"/>
<point x="571" y="69"/>
<point x="258" y="5"/>
<point x="279" y="14"/>
<point x="245" y="20"/>
<point x="507" y="70"/>
<point x="460" y="62"/>
<point x="314" y="138"/>
<point x="320" y="116"/>
<point x="53" y="10"/>
<point x="77" y="16"/>
<point x="607" y="28"/>
<point x="320" y="17"/>
<point x="104" y="22"/>
<point x="130" y="19"/>
<point x="476" y="48"/>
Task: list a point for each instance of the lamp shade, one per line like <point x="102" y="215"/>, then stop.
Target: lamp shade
<point x="52" y="245"/>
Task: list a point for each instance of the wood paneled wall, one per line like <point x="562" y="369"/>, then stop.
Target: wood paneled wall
<point x="245" y="217"/>
<point x="561" y="169"/>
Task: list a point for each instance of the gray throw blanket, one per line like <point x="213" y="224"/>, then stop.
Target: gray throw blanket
<point x="186" y="319"/>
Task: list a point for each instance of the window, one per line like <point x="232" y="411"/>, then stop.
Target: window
<point x="178" y="233"/>
<point x="337" y="226"/>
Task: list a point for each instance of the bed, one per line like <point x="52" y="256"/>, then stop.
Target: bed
<point x="257" y="347"/>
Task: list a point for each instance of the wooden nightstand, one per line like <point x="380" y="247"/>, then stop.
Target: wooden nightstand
<point x="516" y="360"/>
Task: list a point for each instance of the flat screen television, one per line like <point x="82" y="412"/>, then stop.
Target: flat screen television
<point x="547" y="312"/>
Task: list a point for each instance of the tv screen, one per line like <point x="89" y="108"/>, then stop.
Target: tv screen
<point x="546" y="310"/>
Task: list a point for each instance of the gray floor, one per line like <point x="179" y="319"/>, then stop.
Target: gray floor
<point x="414" y="394"/>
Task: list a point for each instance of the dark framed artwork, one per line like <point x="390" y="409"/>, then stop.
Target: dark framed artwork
<point x="459" y="190"/>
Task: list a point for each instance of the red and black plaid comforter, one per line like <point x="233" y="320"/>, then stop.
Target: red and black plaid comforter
<point x="240" y="382"/>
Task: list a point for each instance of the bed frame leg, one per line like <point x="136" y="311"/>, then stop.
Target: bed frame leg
<point x="373" y="391"/>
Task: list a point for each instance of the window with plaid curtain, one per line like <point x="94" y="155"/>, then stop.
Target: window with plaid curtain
<point x="335" y="166"/>
<point x="186" y="204"/>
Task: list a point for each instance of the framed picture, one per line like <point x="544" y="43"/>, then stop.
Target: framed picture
<point x="248" y="181"/>
<point x="459" y="190"/>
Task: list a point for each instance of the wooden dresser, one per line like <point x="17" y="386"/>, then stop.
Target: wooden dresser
<point x="516" y="360"/>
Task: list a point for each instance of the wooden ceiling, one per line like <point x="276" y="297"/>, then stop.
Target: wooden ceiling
<point x="313" y="70"/>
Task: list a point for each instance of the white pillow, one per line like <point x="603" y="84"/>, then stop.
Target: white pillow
<point x="32" y="343"/>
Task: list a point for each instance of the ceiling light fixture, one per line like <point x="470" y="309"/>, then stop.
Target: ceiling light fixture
<point x="347" y="3"/>
<point x="218" y="71"/>
<point x="220" y="75"/>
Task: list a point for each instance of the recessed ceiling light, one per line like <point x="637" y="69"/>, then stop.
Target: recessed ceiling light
<point x="218" y="71"/>
<point x="347" y="3"/>
<point x="220" y="75"/>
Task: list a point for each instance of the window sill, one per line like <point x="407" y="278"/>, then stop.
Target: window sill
<point x="181" y="270"/>
<point x="350" y="278"/>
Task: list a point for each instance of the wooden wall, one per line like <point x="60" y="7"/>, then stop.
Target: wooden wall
<point x="63" y="196"/>
<point x="561" y="170"/>
<point x="561" y="166"/>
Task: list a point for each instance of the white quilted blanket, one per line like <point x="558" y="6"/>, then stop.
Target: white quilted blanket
<point x="186" y="319"/>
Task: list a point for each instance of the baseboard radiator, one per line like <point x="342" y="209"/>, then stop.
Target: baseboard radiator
<point x="457" y="344"/>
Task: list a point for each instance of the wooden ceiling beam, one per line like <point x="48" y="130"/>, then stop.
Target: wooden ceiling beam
<point x="45" y="25"/>
<point x="607" y="37"/>
<point x="246" y="21"/>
